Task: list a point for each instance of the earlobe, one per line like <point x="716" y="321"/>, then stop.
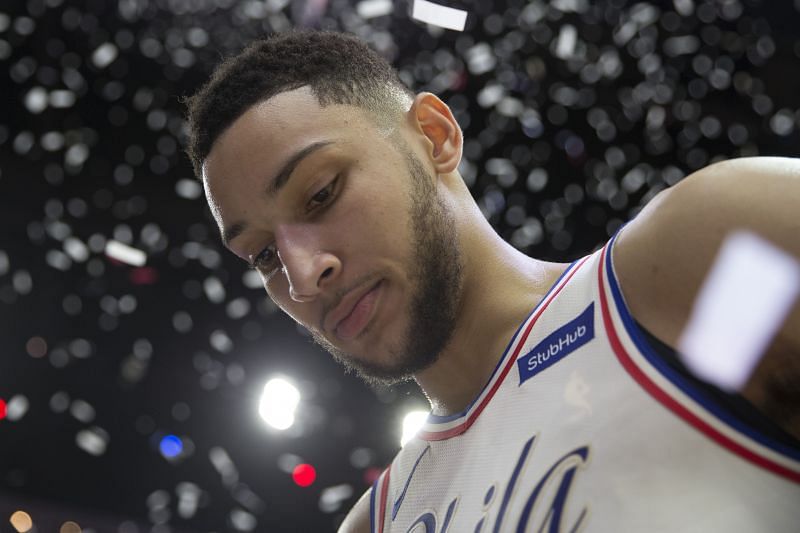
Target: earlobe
<point x="436" y="122"/>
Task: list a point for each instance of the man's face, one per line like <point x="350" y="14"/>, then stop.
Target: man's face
<point x="352" y="239"/>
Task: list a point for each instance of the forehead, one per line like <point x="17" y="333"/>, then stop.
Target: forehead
<point x="258" y="143"/>
<point x="284" y="123"/>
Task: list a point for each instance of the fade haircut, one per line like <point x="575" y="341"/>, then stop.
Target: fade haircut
<point x="338" y="68"/>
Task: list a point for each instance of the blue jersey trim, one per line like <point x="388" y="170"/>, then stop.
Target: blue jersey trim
<point x="372" y="497"/>
<point x="439" y="419"/>
<point x="676" y="378"/>
<point x="399" y="502"/>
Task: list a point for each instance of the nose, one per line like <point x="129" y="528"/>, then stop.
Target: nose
<point x="308" y="267"/>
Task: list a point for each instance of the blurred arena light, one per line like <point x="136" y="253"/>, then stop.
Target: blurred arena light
<point x="745" y="298"/>
<point x="412" y="423"/>
<point x="21" y="521"/>
<point x="70" y="527"/>
<point x="170" y="446"/>
<point x="304" y="475"/>
<point x="278" y="403"/>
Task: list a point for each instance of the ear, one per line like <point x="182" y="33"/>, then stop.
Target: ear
<point x="435" y="121"/>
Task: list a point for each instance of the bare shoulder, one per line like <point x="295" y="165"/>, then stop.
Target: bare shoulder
<point x="661" y="257"/>
<point x="357" y="520"/>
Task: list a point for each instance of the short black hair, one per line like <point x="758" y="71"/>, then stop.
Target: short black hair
<point x="338" y="68"/>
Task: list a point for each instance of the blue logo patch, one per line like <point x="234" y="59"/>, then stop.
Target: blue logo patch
<point x="557" y="345"/>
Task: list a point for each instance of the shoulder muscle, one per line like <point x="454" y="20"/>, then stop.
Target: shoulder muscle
<point x="663" y="255"/>
<point x="357" y="520"/>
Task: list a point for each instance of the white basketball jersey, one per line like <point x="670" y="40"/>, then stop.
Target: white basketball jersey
<point x="582" y="427"/>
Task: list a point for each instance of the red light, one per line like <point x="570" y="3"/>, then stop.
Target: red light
<point x="143" y="276"/>
<point x="2" y="409"/>
<point x="304" y="475"/>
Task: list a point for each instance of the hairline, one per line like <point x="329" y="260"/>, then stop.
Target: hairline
<point x="383" y="120"/>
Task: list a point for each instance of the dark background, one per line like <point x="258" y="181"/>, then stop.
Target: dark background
<point x="575" y="113"/>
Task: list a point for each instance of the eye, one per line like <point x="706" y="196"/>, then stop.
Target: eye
<point x="323" y="195"/>
<point x="266" y="259"/>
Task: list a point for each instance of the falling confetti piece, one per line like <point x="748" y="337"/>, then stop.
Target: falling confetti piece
<point x="125" y="254"/>
<point x="439" y="15"/>
<point x="743" y="301"/>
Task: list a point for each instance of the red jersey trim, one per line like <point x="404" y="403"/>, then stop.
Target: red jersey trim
<point x="672" y="403"/>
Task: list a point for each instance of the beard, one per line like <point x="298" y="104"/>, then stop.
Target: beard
<point x="437" y="276"/>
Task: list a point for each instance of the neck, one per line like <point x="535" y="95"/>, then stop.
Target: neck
<point x="500" y="288"/>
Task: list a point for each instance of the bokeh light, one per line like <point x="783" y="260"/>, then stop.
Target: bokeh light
<point x="412" y="423"/>
<point x="21" y="521"/>
<point x="70" y="527"/>
<point x="36" y="347"/>
<point x="278" y="403"/>
<point x="170" y="446"/>
<point x="304" y="475"/>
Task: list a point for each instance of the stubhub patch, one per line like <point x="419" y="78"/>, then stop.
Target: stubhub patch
<point x="557" y="345"/>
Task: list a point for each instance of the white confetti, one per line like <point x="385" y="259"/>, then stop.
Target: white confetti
<point x="76" y="155"/>
<point x="16" y="407"/>
<point x="188" y="499"/>
<point x="82" y="411"/>
<point x="566" y="42"/>
<point x="745" y="298"/>
<point x="62" y="98"/>
<point x="374" y="8"/>
<point x="59" y="402"/>
<point x="22" y="282"/>
<point x="36" y="100"/>
<point x="220" y="341"/>
<point x="223" y="464"/>
<point x="189" y="189"/>
<point x="438" y="15"/>
<point x="238" y="308"/>
<point x="126" y="254"/>
<point x="104" y="55"/>
<point x="58" y="260"/>
<point x="215" y="291"/>
<point x="331" y="498"/>
<point x="247" y="498"/>
<point x="684" y="7"/>
<point x="4" y="263"/>
<point x="685" y="44"/>
<point x="93" y="441"/>
<point x="242" y="520"/>
<point x="252" y="280"/>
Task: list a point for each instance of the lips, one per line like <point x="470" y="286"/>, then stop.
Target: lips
<point x="355" y="315"/>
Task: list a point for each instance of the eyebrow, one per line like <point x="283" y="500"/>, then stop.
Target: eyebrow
<point x="275" y="185"/>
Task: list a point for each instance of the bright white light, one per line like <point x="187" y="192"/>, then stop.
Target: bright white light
<point x="278" y="403"/>
<point x="412" y="423"/>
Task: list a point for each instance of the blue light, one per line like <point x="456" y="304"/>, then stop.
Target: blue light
<point x="171" y="446"/>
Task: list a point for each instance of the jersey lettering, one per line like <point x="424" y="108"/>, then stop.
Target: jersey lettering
<point x="557" y="345"/>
